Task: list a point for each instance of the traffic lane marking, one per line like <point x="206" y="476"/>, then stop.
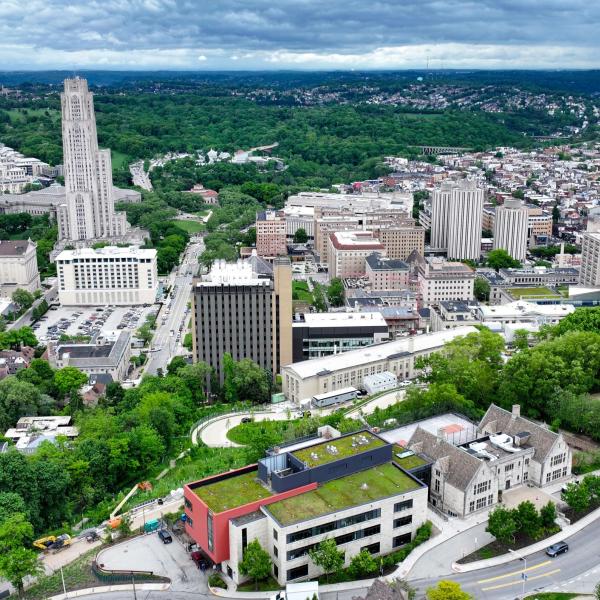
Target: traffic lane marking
<point x="532" y="568"/>
<point x="520" y="581"/>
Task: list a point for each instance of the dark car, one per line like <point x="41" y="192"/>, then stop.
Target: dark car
<point x="556" y="549"/>
<point x="165" y="536"/>
<point x="200" y="560"/>
<point x="247" y="420"/>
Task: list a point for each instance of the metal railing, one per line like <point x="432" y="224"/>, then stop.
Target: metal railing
<point x="115" y="576"/>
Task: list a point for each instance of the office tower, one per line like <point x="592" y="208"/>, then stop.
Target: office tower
<point x="271" y="237"/>
<point x="109" y="275"/>
<point x="589" y="274"/>
<point x="89" y="210"/>
<point x="510" y="228"/>
<point x="440" y="211"/>
<point x="244" y="309"/>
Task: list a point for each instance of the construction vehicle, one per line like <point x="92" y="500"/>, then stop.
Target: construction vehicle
<point x="53" y="542"/>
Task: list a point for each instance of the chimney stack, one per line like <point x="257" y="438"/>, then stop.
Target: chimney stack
<point x="516" y="410"/>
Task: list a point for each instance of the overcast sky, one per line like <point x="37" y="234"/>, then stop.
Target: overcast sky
<point x="298" y="34"/>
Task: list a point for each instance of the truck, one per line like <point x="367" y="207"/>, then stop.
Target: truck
<point x="299" y="591"/>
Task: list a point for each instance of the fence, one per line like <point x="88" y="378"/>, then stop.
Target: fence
<point x="111" y="576"/>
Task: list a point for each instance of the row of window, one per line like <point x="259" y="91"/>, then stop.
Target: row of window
<point x="481" y="503"/>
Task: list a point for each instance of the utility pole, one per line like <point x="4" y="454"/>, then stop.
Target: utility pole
<point x="62" y="576"/>
<point x="133" y="582"/>
<point x="523" y="573"/>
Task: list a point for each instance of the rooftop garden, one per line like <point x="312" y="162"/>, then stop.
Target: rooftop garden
<point x="407" y="462"/>
<point x="343" y="447"/>
<point x="524" y="292"/>
<point x="232" y="492"/>
<point x="339" y="494"/>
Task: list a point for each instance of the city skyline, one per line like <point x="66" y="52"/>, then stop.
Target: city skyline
<point x="236" y="35"/>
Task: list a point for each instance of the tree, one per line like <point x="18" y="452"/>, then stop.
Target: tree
<point x="362" y="565"/>
<point x="327" y="556"/>
<point x="521" y="339"/>
<point x="17" y="563"/>
<point x="145" y="333"/>
<point x="69" y="380"/>
<point x="527" y="519"/>
<point x="23" y="298"/>
<point x="245" y="380"/>
<point x="597" y="591"/>
<point x="256" y="562"/>
<point x="501" y="524"/>
<point x="177" y="362"/>
<point x="300" y="237"/>
<point x="10" y="504"/>
<point x="447" y="590"/>
<point x="481" y="289"/>
<point x="548" y="515"/>
<point x="501" y="259"/>
<point x="335" y="292"/>
<point x="576" y="496"/>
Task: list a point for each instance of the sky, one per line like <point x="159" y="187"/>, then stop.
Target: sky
<point x="298" y="34"/>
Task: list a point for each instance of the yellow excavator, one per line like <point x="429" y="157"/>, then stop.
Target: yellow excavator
<point x="53" y="542"/>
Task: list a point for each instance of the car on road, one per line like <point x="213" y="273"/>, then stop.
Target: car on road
<point x="556" y="549"/>
<point x="246" y="420"/>
<point x="165" y="536"/>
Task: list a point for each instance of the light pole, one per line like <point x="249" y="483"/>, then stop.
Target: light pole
<point x="62" y="576"/>
<point x="523" y="573"/>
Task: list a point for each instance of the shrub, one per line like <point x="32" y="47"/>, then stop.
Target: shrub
<point x="216" y="581"/>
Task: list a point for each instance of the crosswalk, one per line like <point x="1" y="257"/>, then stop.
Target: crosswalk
<point x="531" y="573"/>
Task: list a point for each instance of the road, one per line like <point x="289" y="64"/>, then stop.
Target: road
<point x="581" y="565"/>
<point x="139" y="176"/>
<point x="165" y="341"/>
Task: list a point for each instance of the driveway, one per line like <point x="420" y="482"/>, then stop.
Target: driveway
<point x="148" y="553"/>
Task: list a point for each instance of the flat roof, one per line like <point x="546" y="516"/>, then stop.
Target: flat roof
<point x="340" y="494"/>
<point x="407" y="459"/>
<point x="521" y="308"/>
<point x="108" y="251"/>
<point x="355" y="240"/>
<point x="341" y="447"/>
<point x="455" y="429"/>
<point x="342" y="319"/>
<point x="377" y="352"/>
<point x="232" y="492"/>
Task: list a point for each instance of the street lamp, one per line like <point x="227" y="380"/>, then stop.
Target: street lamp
<point x="523" y="573"/>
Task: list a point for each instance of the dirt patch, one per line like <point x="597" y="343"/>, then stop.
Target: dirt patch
<point x="579" y="442"/>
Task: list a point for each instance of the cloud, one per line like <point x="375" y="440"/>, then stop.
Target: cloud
<point x="303" y="34"/>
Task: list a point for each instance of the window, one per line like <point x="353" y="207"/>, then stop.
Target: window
<point x="188" y="504"/>
<point x="472" y="506"/>
<point x="275" y="534"/>
<point x="558" y="459"/>
<point x="276" y="571"/>
<point x="484" y="486"/>
<point x="332" y="525"/>
<point x="297" y="572"/>
<point x="400" y="540"/>
<point x="209" y="530"/>
<point x="275" y="551"/>
<point x="437" y="485"/>
<point x="508" y="468"/>
<point x="244" y="538"/>
<point x="188" y="520"/>
<point x="401" y="522"/>
<point x="399" y="506"/>
<point x="372" y="548"/>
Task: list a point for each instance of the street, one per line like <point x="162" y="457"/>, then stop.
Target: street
<point x="165" y="340"/>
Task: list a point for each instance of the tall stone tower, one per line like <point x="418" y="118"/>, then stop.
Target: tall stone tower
<point x="89" y="211"/>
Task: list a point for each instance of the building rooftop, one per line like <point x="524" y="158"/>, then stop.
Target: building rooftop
<point x="336" y="449"/>
<point x="107" y="251"/>
<point x="407" y="459"/>
<point x="520" y="308"/>
<point x="339" y="494"/>
<point x="15" y="247"/>
<point x="406" y="346"/>
<point x="232" y="492"/>
<point x="341" y="319"/>
<point x="377" y="262"/>
<point x="355" y="240"/>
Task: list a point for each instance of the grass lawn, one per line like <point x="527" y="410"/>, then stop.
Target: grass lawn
<point x="532" y="291"/>
<point x="408" y="462"/>
<point x="119" y="160"/>
<point x="264" y="585"/>
<point x="346" y="446"/>
<point x="339" y="494"/>
<point x="78" y="575"/>
<point x="16" y="114"/>
<point x="232" y="492"/>
<point x="300" y="292"/>
<point x="189" y="226"/>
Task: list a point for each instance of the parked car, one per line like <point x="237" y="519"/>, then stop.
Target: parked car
<point x="556" y="549"/>
<point x="246" y="420"/>
<point x="165" y="536"/>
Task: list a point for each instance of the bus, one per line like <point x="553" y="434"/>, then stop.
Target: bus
<point x="335" y="397"/>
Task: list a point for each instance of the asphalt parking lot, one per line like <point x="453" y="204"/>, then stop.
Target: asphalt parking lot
<point x="88" y="320"/>
<point x="148" y="553"/>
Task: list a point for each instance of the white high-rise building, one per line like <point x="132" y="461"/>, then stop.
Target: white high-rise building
<point x="89" y="211"/>
<point x="510" y="228"/>
<point x="440" y="210"/>
<point x="589" y="274"/>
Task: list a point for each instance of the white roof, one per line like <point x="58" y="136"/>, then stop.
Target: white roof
<point x="379" y="378"/>
<point x="301" y="591"/>
<point x="110" y="251"/>
<point x="521" y="308"/>
<point x="342" y="319"/>
<point x="377" y="352"/>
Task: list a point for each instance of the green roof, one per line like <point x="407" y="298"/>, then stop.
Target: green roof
<point x="345" y="492"/>
<point x="542" y="291"/>
<point x="232" y="492"/>
<point x="408" y="462"/>
<point x="314" y="456"/>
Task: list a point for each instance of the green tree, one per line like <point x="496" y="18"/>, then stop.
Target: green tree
<point x="327" y="556"/>
<point x="22" y="298"/>
<point x="481" y="289"/>
<point x="145" y="333"/>
<point x="16" y="563"/>
<point x="548" y="515"/>
<point x="576" y="496"/>
<point x="501" y="524"/>
<point x="69" y="381"/>
<point x="521" y="339"/>
<point x="582" y="319"/>
<point x="335" y="292"/>
<point x="10" y="504"/>
<point x="528" y="519"/>
<point x="447" y="590"/>
<point x="256" y="562"/>
<point x="501" y="259"/>
<point x="245" y="380"/>
<point x="362" y="565"/>
<point x="177" y="362"/>
<point x="300" y="237"/>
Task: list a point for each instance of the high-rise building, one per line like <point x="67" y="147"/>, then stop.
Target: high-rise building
<point x="589" y="274"/>
<point x="348" y="251"/>
<point x="271" y="236"/>
<point x="456" y="215"/>
<point x="510" y="228"/>
<point x="89" y="211"/>
<point x="109" y="275"/>
<point x="245" y="311"/>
